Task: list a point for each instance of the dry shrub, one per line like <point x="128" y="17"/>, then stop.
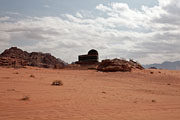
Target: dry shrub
<point x="25" y="98"/>
<point x="6" y="77"/>
<point x="57" y="83"/>
<point x="32" y="76"/>
<point x="11" y="90"/>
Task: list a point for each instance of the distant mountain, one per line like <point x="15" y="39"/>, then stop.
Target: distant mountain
<point x="165" y="65"/>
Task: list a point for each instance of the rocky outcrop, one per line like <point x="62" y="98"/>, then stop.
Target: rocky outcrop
<point x="44" y="60"/>
<point x="16" y="53"/>
<point x="12" y="62"/>
<point x="15" y="57"/>
<point x="118" y="65"/>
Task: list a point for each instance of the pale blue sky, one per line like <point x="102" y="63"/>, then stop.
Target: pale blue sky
<point x="57" y="7"/>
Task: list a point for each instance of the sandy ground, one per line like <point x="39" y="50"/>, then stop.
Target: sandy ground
<point x="89" y="95"/>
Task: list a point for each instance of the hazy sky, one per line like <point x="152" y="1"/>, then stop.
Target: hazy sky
<point x="145" y="30"/>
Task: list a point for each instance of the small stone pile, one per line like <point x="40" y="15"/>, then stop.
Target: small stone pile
<point x="115" y="65"/>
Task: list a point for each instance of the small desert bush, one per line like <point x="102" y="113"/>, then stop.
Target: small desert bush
<point x="57" y="83"/>
<point x="16" y="73"/>
<point x="32" y="76"/>
<point x="11" y="90"/>
<point x="25" y="98"/>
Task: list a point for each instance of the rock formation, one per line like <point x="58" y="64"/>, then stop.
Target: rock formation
<point x="118" y="65"/>
<point x="15" y="57"/>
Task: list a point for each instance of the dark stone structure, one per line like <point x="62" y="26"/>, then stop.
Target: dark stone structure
<point x="91" y="58"/>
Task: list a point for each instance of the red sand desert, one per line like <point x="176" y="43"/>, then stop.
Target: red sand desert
<point x="89" y="95"/>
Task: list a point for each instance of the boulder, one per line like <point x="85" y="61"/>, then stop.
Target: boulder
<point x="115" y="65"/>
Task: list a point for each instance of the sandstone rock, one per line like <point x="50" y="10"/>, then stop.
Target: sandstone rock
<point x="16" y="53"/>
<point x="15" y="57"/>
<point x="118" y="65"/>
<point x="12" y="62"/>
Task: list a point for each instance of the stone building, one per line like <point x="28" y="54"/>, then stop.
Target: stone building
<point x="91" y="58"/>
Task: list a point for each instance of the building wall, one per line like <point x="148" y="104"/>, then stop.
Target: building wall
<point x="88" y="58"/>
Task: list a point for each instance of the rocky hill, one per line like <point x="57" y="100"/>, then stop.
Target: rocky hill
<point x="15" y="57"/>
<point x="115" y="65"/>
